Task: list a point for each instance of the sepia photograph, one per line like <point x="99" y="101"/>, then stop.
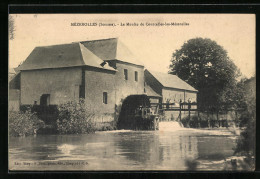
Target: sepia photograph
<point x="131" y="92"/>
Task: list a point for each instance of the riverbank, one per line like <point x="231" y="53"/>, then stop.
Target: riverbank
<point x="233" y="163"/>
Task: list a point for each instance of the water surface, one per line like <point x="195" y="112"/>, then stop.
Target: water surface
<point x="167" y="149"/>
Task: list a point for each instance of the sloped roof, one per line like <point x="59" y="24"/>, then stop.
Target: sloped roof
<point x="11" y="70"/>
<point x="16" y="70"/>
<point x="14" y="81"/>
<point x="111" y="49"/>
<point x="171" y="81"/>
<point x="11" y="74"/>
<point x="92" y="60"/>
<point x="58" y="56"/>
<point x="150" y="92"/>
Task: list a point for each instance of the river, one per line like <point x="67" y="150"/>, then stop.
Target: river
<point x="170" y="148"/>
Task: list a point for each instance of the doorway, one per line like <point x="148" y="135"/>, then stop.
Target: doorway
<point x="45" y="100"/>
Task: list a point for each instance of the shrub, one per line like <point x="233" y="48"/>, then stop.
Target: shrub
<point x="246" y="141"/>
<point x="73" y="118"/>
<point x="192" y="122"/>
<point x="24" y="123"/>
<point x="106" y="126"/>
<point x="203" y="116"/>
<point x="118" y="108"/>
<point x="185" y="121"/>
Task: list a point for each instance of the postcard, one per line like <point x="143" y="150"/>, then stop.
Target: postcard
<point x="132" y="92"/>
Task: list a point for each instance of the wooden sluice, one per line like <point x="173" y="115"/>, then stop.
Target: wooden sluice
<point x="193" y="116"/>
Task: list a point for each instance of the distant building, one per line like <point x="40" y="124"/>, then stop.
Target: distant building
<point x="11" y="74"/>
<point x="171" y="89"/>
<point x="14" y="89"/>
<point x="103" y="72"/>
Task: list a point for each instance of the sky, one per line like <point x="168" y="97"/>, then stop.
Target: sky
<point x="153" y="45"/>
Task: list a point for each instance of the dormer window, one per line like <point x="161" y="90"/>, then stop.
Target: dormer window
<point x="103" y="63"/>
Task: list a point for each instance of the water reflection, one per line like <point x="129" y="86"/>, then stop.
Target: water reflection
<point x="125" y="150"/>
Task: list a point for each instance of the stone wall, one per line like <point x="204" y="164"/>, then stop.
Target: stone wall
<point x="128" y="87"/>
<point x="14" y="100"/>
<point x="96" y="83"/>
<point x="62" y="85"/>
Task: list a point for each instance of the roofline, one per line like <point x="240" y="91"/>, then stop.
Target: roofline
<point x="97" y="40"/>
<point x="82" y="58"/>
<point x="69" y="67"/>
<point x="195" y="91"/>
<point x="69" y="43"/>
<point x="51" y="68"/>
<point x="125" y="62"/>
<point x="154" y="77"/>
<point x="102" y="69"/>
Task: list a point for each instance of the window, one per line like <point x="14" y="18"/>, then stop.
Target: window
<point x="126" y="74"/>
<point x="136" y="76"/>
<point x="105" y="97"/>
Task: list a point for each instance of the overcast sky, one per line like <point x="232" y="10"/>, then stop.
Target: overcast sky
<point x="153" y="45"/>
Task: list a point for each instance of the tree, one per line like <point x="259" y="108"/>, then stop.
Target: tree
<point x="246" y="141"/>
<point x="206" y="66"/>
<point x="11" y="27"/>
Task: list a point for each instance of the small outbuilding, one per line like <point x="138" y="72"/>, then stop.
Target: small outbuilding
<point x="169" y="89"/>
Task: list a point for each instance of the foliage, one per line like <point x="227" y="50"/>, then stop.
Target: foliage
<point x="24" y="123"/>
<point x="246" y="142"/>
<point x="11" y="27"/>
<point x="74" y="119"/>
<point x="203" y="120"/>
<point x="191" y="164"/>
<point x="118" y="108"/>
<point x="106" y="126"/>
<point x="206" y="66"/>
<point x="192" y="121"/>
